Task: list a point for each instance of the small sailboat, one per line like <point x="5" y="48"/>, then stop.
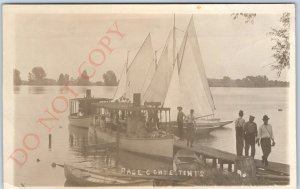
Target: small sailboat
<point x="180" y="80"/>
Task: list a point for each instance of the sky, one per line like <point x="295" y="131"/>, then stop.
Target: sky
<point x="60" y="43"/>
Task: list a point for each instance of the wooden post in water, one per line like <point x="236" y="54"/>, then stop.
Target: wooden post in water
<point x="50" y="141"/>
<point x="221" y="164"/>
<point x="229" y="167"/>
<point x="214" y="163"/>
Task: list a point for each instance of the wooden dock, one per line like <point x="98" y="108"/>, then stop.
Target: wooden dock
<point x="220" y="158"/>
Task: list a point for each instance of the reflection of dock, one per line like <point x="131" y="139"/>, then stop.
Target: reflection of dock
<point x="221" y="157"/>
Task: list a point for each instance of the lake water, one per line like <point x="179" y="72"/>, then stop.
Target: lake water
<point x="31" y="102"/>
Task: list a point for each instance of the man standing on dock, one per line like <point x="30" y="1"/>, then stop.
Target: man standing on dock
<point x="190" y="129"/>
<point x="250" y="135"/>
<point x="265" y="136"/>
<point x="239" y="133"/>
<point x="180" y="117"/>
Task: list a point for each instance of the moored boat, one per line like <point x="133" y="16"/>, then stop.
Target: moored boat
<point x="81" y="112"/>
<point x="205" y="130"/>
<point x="82" y="177"/>
<point x="200" y="130"/>
<point x="135" y="128"/>
<point x="186" y="160"/>
<point x="80" y="121"/>
<point x="212" y="123"/>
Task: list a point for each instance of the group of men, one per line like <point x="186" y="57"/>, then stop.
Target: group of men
<point x="190" y="132"/>
<point x="247" y="135"/>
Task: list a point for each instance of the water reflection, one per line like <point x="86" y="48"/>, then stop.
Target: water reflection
<point x="17" y="89"/>
<point x="92" y="153"/>
<point x="36" y="90"/>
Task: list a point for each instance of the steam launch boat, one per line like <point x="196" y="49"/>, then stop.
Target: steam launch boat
<point x="134" y="127"/>
<point x="81" y="112"/>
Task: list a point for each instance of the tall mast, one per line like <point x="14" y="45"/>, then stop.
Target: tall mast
<point x="174" y="42"/>
<point x="127" y="60"/>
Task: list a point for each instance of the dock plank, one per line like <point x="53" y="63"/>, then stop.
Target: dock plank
<point x="230" y="157"/>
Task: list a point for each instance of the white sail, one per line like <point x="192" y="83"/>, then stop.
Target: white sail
<point x="158" y="88"/>
<point x="194" y="90"/>
<point x="121" y="90"/>
<point x="148" y="77"/>
<point x="172" y="99"/>
<point x="138" y="70"/>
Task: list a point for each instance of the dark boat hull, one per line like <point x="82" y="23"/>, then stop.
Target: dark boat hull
<point x="80" y="177"/>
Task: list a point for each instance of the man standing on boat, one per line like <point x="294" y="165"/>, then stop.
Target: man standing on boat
<point x="180" y="118"/>
<point x="239" y="133"/>
<point x="250" y="135"/>
<point x="190" y="128"/>
<point x="265" y="136"/>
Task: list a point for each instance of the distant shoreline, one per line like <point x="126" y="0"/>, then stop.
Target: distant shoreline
<point x="117" y="86"/>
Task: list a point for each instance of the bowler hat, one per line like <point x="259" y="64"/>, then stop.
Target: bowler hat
<point x="266" y="117"/>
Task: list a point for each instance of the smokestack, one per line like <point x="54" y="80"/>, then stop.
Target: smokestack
<point x="88" y="93"/>
<point x="136" y="99"/>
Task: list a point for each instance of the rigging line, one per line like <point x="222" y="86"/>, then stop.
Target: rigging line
<point x="179" y="29"/>
<point x="214" y="107"/>
<point x="181" y="58"/>
<point x="147" y="75"/>
<point x="165" y="46"/>
<point x="139" y="50"/>
<point x="120" y="80"/>
<point x="124" y="68"/>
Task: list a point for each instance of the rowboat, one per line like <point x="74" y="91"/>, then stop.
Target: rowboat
<point x="186" y="160"/>
<point x="82" y="177"/>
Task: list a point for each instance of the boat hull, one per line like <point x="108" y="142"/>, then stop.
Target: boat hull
<point x="81" y="121"/>
<point x="158" y="147"/>
<point x="212" y="124"/>
<point x="205" y="130"/>
<point x="81" y="177"/>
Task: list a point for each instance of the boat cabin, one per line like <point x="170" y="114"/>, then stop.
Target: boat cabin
<point x="132" y="119"/>
<point x="81" y="107"/>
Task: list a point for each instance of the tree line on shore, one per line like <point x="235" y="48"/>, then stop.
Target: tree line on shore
<point x="249" y="81"/>
<point x="38" y="76"/>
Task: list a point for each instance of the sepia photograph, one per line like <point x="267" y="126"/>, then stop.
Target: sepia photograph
<point x="149" y="95"/>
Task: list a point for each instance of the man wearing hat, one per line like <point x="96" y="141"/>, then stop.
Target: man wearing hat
<point x="180" y="118"/>
<point x="250" y="135"/>
<point x="265" y="136"/>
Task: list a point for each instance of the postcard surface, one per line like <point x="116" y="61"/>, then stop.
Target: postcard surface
<point x="149" y="95"/>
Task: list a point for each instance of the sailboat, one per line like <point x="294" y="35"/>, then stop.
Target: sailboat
<point x="127" y="122"/>
<point x="180" y="80"/>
